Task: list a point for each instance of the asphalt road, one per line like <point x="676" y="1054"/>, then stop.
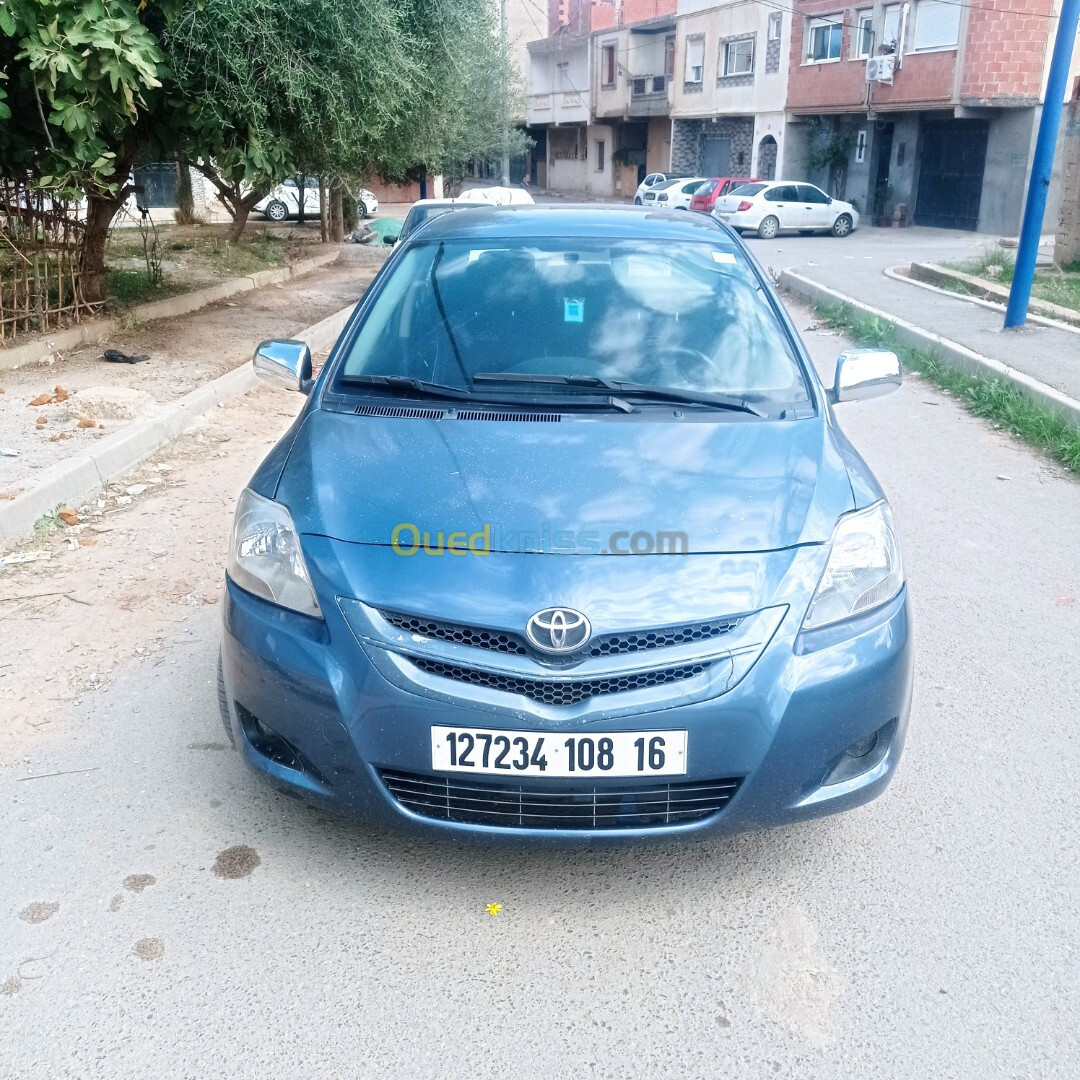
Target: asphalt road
<point x="930" y="934"/>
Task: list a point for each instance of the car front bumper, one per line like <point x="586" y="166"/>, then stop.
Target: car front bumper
<point x="779" y="732"/>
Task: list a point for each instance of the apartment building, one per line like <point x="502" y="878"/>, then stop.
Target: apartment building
<point x="598" y="99"/>
<point x="930" y="106"/>
<point x="730" y="89"/>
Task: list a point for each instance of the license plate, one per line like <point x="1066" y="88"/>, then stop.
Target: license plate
<point x="527" y="753"/>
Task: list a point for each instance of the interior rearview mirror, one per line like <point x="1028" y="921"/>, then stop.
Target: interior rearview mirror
<point x="865" y="373"/>
<point x="286" y="364"/>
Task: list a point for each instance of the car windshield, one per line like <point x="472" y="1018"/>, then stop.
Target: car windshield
<point x="689" y="316"/>
<point x="746" y="190"/>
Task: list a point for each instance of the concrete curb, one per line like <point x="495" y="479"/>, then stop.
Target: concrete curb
<point x="1040" y="320"/>
<point x="36" y="352"/>
<point x="993" y="295"/>
<point x="72" y="481"/>
<point x="956" y="355"/>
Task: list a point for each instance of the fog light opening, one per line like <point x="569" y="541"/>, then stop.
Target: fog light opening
<point x="863" y="747"/>
<point x="861" y="756"/>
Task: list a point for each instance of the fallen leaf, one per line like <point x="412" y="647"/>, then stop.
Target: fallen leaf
<point x="60" y="393"/>
<point x="86" y="541"/>
<point x="87" y="423"/>
<point x="59" y="437"/>
<point x="42" y="399"/>
<point x="493" y="909"/>
<point x="68" y="516"/>
<point x="42" y="420"/>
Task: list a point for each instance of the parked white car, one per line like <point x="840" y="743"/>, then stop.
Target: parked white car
<point x="780" y="205"/>
<point x="673" y="194"/>
<point x="496" y="196"/>
<point x="651" y="181"/>
<point x="284" y="201"/>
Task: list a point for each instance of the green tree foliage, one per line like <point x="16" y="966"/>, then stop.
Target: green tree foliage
<point x="76" y="78"/>
<point x="253" y="90"/>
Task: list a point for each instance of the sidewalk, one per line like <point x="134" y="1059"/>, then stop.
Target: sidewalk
<point x="1048" y="354"/>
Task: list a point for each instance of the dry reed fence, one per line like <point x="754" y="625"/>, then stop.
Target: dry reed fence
<point x="40" y="243"/>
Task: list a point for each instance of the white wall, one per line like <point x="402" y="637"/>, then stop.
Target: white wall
<point x="766" y="93"/>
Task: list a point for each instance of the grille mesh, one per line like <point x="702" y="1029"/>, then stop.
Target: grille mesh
<point x="546" y="806"/>
<point x="514" y="644"/>
<point x="552" y="692"/>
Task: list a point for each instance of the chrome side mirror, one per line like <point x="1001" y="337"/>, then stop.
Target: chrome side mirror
<point x="285" y="364"/>
<point x="865" y="373"/>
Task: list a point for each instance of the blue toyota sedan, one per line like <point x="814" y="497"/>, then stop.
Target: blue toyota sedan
<point x="566" y="542"/>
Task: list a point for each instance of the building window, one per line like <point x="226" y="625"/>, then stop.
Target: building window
<point x="669" y="57"/>
<point x="890" y="29"/>
<point x="599" y="155"/>
<point x="823" y="40"/>
<point x="695" y="59"/>
<point x="862" y="44"/>
<point x="860" y="146"/>
<point x="739" y="57"/>
<point x="937" y="25"/>
<point x="776" y="22"/>
<point x="608" y="66"/>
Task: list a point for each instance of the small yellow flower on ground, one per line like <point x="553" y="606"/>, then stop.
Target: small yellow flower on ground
<point x="494" y="909"/>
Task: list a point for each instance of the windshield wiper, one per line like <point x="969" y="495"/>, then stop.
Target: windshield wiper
<point x="404" y="384"/>
<point x="629" y="389"/>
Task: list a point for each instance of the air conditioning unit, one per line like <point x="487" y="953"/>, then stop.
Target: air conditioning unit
<point x="880" y="68"/>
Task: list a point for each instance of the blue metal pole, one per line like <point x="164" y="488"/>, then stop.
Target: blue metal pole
<point x="1041" y="166"/>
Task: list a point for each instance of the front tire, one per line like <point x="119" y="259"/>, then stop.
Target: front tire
<point x="276" y="210"/>
<point x="768" y="228"/>
<point x="223" y="702"/>
<point x="842" y="225"/>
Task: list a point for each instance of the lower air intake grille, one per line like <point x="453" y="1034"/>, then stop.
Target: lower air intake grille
<point x="545" y="806"/>
<point x="552" y="692"/>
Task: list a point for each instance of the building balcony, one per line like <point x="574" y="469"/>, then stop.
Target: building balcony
<point x="649" y="95"/>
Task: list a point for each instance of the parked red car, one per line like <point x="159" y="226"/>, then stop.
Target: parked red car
<point x="705" y="197"/>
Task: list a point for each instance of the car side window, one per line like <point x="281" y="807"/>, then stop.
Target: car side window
<point x="780" y="194"/>
<point x="809" y="193"/>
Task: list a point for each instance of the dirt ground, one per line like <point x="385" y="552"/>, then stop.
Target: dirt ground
<point x="185" y="352"/>
<point x="120" y="585"/>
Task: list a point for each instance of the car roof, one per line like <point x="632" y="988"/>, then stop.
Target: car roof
<point x="589" y="219"/>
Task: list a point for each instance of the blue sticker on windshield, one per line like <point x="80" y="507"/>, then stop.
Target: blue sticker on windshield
<point x="573" y="310"/>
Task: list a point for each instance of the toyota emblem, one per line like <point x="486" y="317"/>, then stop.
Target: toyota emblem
<point x="558" y="630"/>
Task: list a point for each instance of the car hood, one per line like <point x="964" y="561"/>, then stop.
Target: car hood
<point x="727" y="486"/>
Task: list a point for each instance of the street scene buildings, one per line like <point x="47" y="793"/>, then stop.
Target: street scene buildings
<point x="919" y="113"/>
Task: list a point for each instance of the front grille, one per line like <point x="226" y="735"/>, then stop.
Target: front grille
<point x="552" y="692"/>
<point x="605" y="645"/>
<point x="546" y="806"/>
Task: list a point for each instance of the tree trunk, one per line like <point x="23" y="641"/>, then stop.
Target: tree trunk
<point x="185" y="201"/>
<point x="337" y="223"/>
<point x="325" y="235"/>
<point x="243" y="208"/>
<point x="100" y="211"/>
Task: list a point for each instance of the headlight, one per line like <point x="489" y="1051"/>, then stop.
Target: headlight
<point x="265" y="556"/>
<point x="864" y="569"/>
